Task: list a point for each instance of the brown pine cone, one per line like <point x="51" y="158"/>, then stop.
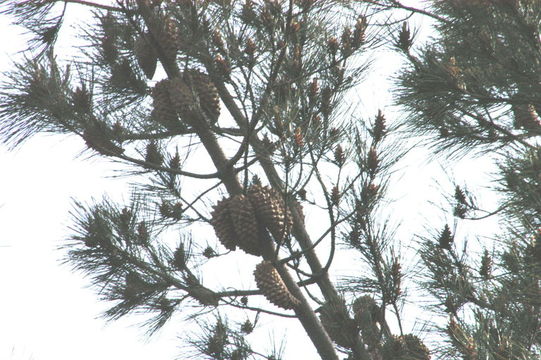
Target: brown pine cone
<point x="366" y="315"/>
<point x="207" y="92"/>
<point x="181" y="97"/>
<point x="146" y="56"/>
<point x="525" y="117"/>
<point x="241" y="212"/>
<point x="82" y="100"/>
<point x="337" y="323"/>
<point x="271" y="211"/>
<point x="223" y="226"/>
<point x="407" y="347"/>
<point x="271" y="284"/>
<point x="170" y="40"/>
<point x="97" y="137"/>
<point x="365" y="305"/>
<point x="164" y="112"/>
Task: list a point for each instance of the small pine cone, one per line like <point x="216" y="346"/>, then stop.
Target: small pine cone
<point x="153" y="154"/>
<point x="170" y="41"/>
<point x="333" y="45"/>
<point x="179" y="258"/>
<point x="271" y="211"/>
<point x="446" y="238"/>
<point x="207" y="92"/>
<point x="335" y="195"/>
<point x="379" y="128"/>
<point x="82" y="100"/>
<point x="525" y="117"/>
<point x="241" y="212"/>
<point x="146" y="56"/>
<point x="96" y="137"/>
<point x="163" y="112"/>
<point x="223" y="226"/>
<point x="298" y="137"/>
<point x="486" y="266"/>
<point x="339" y="156"/>
<point x="336" y="321"/>
<point x="372" y="161"/>
<point x="271" y="284"/>
<point x="222" y="66"/>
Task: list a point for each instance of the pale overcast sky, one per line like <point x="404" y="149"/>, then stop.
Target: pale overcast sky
<point x="47" y="312"/>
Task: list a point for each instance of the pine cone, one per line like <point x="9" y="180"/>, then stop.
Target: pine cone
<point x="207" y="92"/>
<point x="170" y="41"/>
<point x="223" y="226"/>
<point x="181" y="97"/>
<point x="365" y="304"/>
<point x="271" y="211"/>
<point x="525" y="117"/>
<point x="407" y="347"/>
<point x="366" y="314"/>
<point x="336" y="321"/>
<point x="82" y="100"/>
<point x="96" y="136"/>
<point x="146" y="56"/>
<point x="163" y="111"/>
<point x="153" y="154"/>
<point x="271" y="284"/>
<point x="241" y="212"/>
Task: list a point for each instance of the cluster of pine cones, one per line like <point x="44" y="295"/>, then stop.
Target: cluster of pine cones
<point x="164" y="40"/>
<point x="239" y="222"/>
<point x="343" y="330"/>
<point x="181" y="96"/>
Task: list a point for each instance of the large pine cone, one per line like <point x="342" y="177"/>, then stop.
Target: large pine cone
<point x="164" y="112"/>
<point x="407" y="347"/>
<point x="181" y="97"/>
<point x="365" y="308"/>
<point x="271" y="284"/>
<point x="271" y="211"/>
<point x="241" y="212"/>
<point x="207" y="92"/>
<point x="146" y="56"/>
<point x="366" y="315"/>
<point x="336" y="321"/>
<point x="223" y="226"/>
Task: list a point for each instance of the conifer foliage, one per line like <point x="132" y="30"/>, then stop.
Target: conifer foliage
<point x="257" y="92"/>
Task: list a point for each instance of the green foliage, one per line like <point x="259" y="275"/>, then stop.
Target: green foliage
<point x="259" y="92"/>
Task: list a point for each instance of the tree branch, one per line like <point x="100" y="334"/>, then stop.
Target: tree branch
<point x="91" y="4"/>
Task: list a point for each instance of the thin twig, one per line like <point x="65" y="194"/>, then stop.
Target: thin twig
<point x="92" y="4"/>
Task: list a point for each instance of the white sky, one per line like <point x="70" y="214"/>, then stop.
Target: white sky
<point x="48" y="313"/>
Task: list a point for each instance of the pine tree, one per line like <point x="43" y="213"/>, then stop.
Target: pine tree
<point x="259" y="90"/>
<point x="473" y="89"/>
